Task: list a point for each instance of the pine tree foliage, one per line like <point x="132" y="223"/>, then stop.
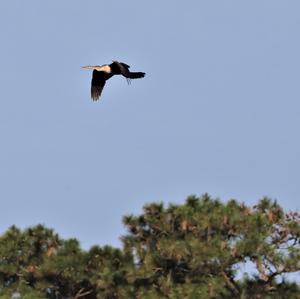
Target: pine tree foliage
<point x="204" y="243"/>
<point x="194" y="250"/>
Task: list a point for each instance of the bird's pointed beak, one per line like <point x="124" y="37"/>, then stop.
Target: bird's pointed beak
<point x="89" y="67"/>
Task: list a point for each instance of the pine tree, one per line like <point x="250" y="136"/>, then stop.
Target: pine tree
<point x="193" y="250"/>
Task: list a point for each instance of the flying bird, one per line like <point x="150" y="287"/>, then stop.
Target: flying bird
<point x="101" y="73"/>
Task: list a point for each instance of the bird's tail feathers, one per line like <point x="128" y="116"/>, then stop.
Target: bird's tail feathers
<point x="136" y="75"/>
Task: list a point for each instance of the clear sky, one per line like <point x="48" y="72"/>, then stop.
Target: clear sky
<point x="218" y="111"/>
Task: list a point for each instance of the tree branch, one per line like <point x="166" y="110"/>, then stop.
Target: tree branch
<point x="231" y="284"/>
<point x="81" y="293"/>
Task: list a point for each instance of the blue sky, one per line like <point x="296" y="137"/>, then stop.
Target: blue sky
<point x="218" y="111"/>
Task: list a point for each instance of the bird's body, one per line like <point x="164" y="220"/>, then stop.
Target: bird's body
<point x="104" y="72"/>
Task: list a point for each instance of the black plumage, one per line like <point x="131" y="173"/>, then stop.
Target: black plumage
<point x="104" y="72"/>
<point x="98" y="81"/>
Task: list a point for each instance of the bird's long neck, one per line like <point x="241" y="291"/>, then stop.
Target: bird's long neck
<point x="100" y="68"/>
<point x="105" y="68"/>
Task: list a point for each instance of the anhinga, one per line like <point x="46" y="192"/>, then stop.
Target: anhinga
<point x="105" y="72"/>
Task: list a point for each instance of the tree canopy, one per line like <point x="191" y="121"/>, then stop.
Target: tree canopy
<point x="203" y="248"/>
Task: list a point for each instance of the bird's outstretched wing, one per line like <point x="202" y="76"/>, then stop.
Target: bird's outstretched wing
<point x="98" y="82"/>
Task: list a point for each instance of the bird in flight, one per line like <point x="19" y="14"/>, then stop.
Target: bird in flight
<point x="105" y="72"/>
